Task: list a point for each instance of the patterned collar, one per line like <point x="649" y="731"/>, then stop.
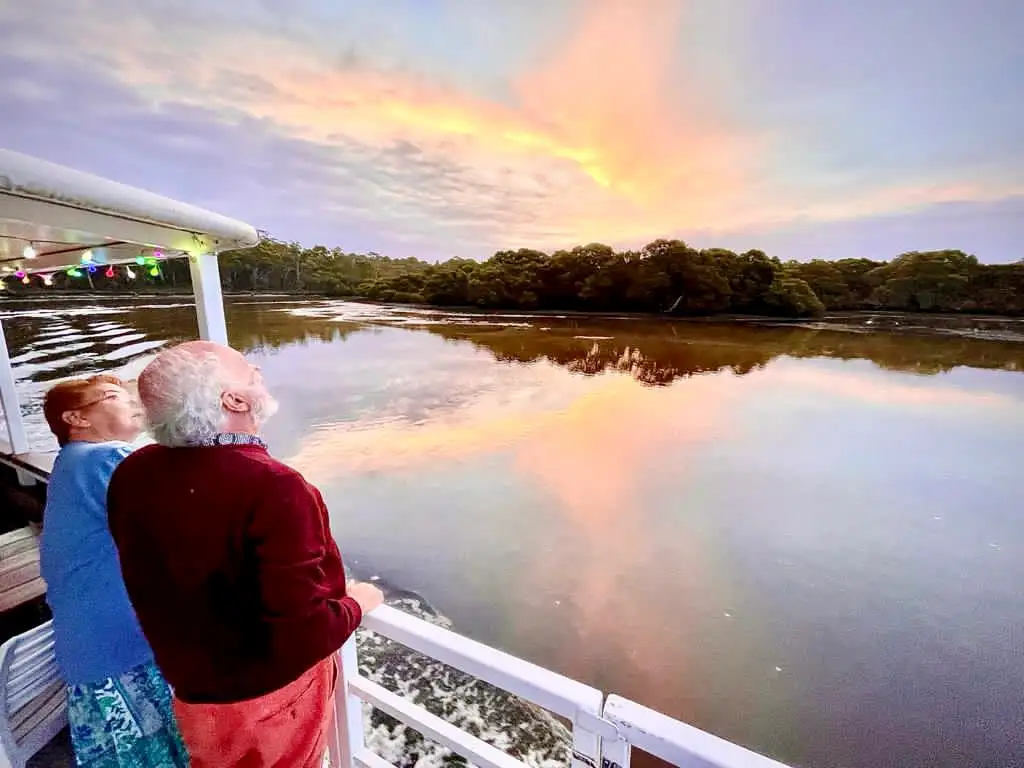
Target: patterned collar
<point x="232" y="438"/>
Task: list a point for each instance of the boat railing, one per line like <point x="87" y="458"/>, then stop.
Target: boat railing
<point x="604" y="731"/>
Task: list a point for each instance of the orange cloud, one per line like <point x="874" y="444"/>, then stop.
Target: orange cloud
<point x="610" y="87"/>
<point x="606" y="138"/>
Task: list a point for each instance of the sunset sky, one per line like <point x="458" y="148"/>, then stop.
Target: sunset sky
<point x="439" y="128"/>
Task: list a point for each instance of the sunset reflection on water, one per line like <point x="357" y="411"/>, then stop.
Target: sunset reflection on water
<point x="803" y="539"/>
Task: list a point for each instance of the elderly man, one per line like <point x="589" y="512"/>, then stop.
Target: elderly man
<point x="228" y="559"/>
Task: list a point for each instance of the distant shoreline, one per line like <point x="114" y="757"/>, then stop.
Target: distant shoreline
<point x="861" y="319"/>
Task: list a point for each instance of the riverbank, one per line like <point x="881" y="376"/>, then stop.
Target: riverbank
<point x="979" y="326"/>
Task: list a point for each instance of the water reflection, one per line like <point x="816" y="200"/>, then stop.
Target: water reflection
<point x="805" y="539"/>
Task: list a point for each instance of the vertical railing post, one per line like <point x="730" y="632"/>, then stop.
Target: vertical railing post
<point x="16" y="435"/>
<point x="346" y="739"/>
<point x="587" y="729"/>
<point x="209" y="299"/>
<point x="615" y="749"/>
<point x="615" y="753"/>
<point x="9" y="399"/>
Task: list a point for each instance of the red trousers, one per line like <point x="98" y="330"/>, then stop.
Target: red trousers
<point x="286" y="728"/>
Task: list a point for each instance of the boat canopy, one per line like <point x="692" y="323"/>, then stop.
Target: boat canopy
<point x="54" y="218"/>
<point x="51" y="215"/>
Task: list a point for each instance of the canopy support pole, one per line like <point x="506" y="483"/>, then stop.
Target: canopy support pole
<point x="16" y="434"/>
<point x="209" y="300"/>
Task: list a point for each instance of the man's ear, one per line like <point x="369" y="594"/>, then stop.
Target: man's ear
<point x="234" y="403"/>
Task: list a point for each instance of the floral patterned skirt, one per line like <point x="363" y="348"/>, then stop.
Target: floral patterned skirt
<point x="125" y="722"/>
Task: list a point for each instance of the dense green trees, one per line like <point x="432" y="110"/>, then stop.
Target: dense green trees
<point x="664" y="277"/>
<point x="668" y="276"/>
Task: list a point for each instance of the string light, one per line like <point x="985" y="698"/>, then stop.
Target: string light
<point x="158" y="254"/>
<point x="26" y="279"/>
<point x="155" y="271"/>
<point x="110" y="271"/>
<point x="140" y="259"/>
<point x="92" y="269"/>
<point x="19" y="274"/>
<point x="47" y="279"/>
<point x="28" y="252"/>
<point x="74" y="272"/>
<point x="87" y="256"/>
<point x="128" y="271"/>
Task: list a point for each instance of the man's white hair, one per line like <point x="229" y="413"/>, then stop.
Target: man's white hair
<point x="181" y="393"/>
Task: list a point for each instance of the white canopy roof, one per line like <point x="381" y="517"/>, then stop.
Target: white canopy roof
<point x="57" y="213"/>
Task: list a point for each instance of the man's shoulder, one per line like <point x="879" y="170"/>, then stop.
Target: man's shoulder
<point x="273" y="470"/>
<point x="141" y="456"/>
<point x="249" y="461"/>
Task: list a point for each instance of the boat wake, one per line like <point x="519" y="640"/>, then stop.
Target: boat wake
<point x="509" y="723"/>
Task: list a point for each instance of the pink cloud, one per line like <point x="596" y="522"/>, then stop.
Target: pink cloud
<point x="605" y="137"/>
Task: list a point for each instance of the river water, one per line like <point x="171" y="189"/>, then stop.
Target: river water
<point x="807" y="540"/>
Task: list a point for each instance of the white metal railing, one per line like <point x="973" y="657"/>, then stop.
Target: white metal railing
<point x="603" y="732"/>
<point x="671" y="740"/>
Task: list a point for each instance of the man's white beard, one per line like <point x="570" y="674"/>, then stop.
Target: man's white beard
<point x="263" y="409"/>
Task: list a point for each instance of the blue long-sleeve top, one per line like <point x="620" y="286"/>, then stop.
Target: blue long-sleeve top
<point x="96" y="632"/>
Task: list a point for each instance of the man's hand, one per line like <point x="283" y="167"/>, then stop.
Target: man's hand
<point x="367" y="595"/>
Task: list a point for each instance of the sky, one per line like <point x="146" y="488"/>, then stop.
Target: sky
<point x="442" y="128"/>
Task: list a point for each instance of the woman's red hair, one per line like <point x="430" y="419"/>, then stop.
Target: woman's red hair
<point x="70" y="396"/>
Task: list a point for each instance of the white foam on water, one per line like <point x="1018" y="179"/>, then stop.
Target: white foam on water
<point x="29" y="356"/>
<point x="125" y="338"/>
<point x="507" y="722"/>
<point x="30" y="369"/>
<point x="85" y="344"/>
<point x="53" y="330"/>
<point x="133" y="349"/>
<point x="162" y="306"/>
<point x="66" y="312"/>
<point x="55" y="339"/>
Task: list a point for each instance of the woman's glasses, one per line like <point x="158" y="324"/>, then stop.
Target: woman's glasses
<point x="105" y="398"/>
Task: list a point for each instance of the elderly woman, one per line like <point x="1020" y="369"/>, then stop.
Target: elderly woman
<point x="119" y="706"/>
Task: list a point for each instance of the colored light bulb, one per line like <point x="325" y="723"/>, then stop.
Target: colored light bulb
<point x="26" y="280"/>
<point x="47" y="279"/>
<point x="87" y="256"/>
<point x="128" y="271"/>
<point x="140" y="259"/>
<point x="110" y="271"/>
<point x="155" y="271"/>
<point x="19" y="274"/>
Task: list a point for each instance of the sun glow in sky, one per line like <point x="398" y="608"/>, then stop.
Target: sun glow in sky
<point x="440" y="128"/>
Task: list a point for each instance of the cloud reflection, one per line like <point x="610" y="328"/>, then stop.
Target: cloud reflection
<point x="871" y="389"/>
<point x="587" y="443"/>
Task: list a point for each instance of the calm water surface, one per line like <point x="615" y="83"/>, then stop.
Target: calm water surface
<point x="808" y="541"/>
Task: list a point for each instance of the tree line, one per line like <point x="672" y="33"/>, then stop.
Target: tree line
<point x="663" y="277"/>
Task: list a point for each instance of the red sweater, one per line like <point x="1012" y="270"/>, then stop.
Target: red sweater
<point x="229" y="561"/>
